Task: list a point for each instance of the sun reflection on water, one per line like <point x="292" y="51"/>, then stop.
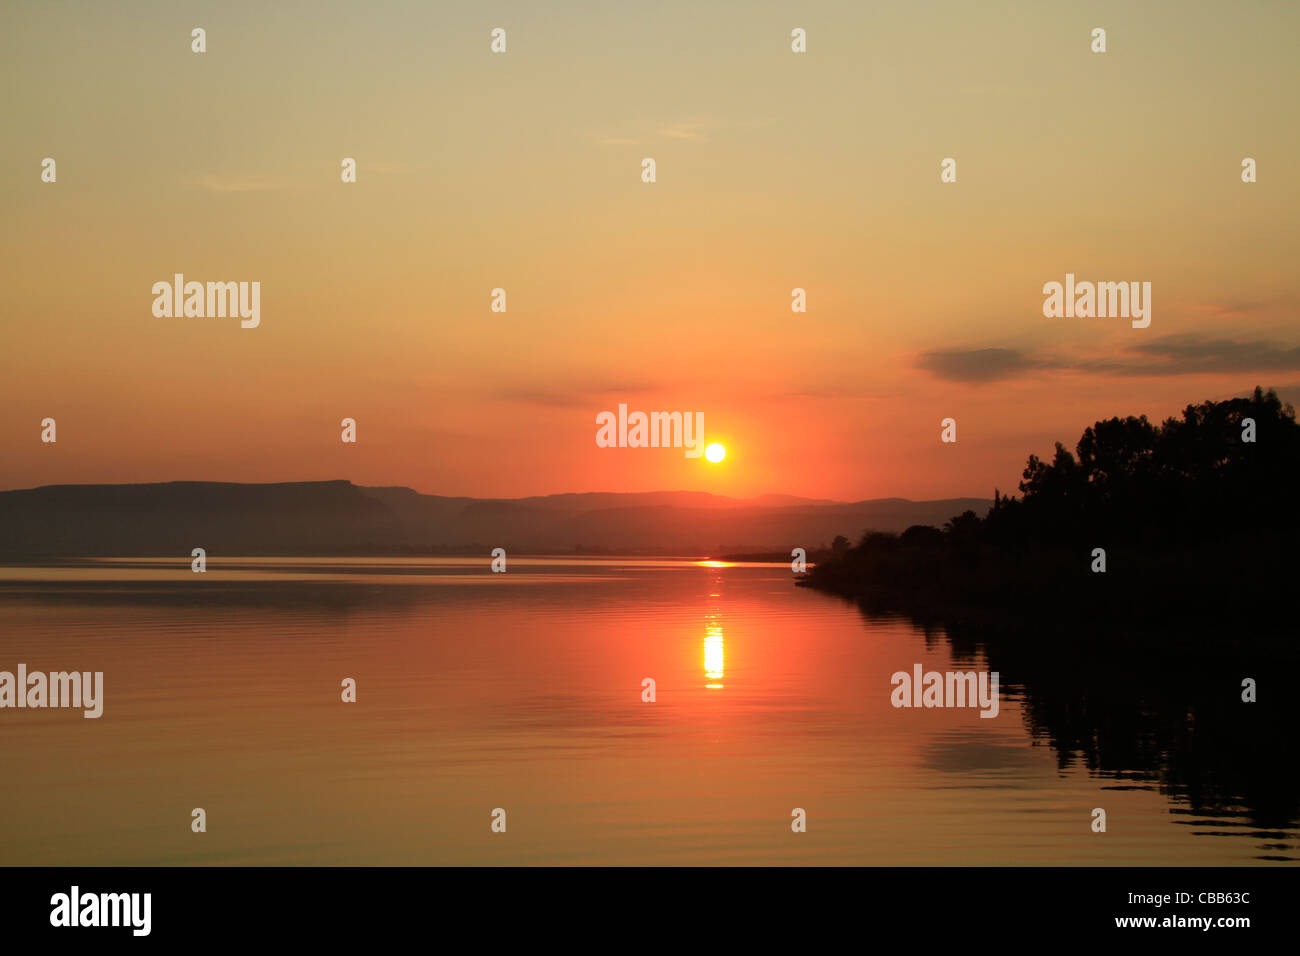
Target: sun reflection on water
<point x="714" y="655"/>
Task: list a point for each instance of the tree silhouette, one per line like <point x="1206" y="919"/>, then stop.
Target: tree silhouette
<point x="1191" y="508"/>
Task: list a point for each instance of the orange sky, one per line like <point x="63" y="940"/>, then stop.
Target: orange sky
<point x="522" y="171"/>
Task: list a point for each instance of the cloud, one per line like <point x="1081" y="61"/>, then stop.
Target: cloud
<point x="693" y="130"/>
<point x="1228" y="310"/>
<point x="976" y="365"/>
<point x="1183" y="354"/>
<point x="683" y="131"/>
<point x="1190" y="354"/>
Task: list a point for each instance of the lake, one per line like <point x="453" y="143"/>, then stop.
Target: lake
<point x="523" y="691"/>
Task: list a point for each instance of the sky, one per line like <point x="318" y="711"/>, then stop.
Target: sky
<point x="522" y="171"/>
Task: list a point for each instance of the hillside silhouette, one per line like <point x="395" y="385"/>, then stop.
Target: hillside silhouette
<point x="1136" y="673"/>
<point x="1192" y="519"/>
<point x="314" y="518"/>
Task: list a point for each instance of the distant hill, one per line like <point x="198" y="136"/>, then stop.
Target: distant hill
<point x="340" y="518"/>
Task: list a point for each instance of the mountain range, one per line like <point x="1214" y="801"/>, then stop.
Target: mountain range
<point x="341" y="518"/>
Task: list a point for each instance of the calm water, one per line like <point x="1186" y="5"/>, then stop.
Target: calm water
<point x="523" y="691"/>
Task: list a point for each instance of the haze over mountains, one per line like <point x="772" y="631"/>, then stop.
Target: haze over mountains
<point x="340" y="518"/>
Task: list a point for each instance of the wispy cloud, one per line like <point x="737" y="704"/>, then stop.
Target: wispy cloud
<point x="1227" y="310"/>
<point x="1188" y="354"/>
<point x="683" y="131"/>
<point x="976" y="365"/>
<point x="1170" y="355"/>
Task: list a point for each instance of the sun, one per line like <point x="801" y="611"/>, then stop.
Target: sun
<point x="715" y="453"/>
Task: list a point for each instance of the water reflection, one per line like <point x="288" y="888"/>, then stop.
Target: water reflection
<point x="714" y="644"/>
<point x="714" y="654"/>
<point x="1172" y="717"/>
<point x="522" y="690"/>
